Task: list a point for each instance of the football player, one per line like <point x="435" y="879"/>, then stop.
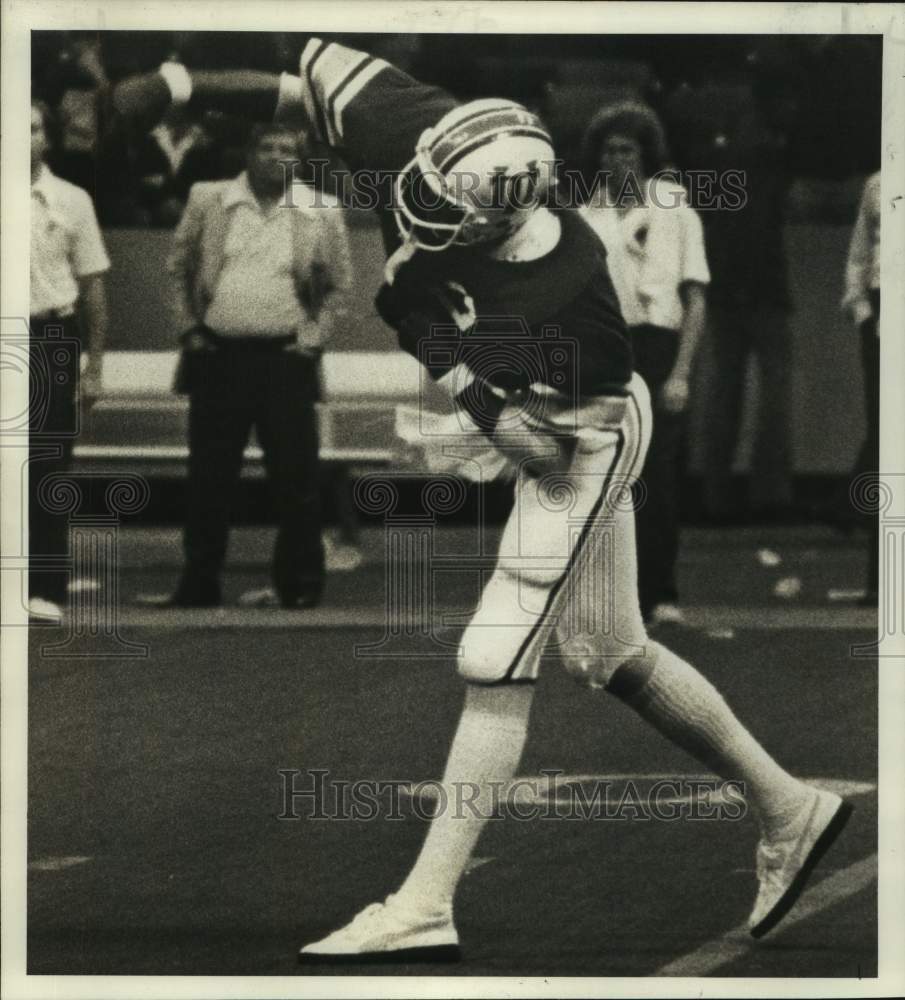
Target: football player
<point x="508" y="303"/>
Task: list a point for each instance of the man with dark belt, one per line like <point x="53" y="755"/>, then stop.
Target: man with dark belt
<point x="68" y="325"/>
<point x="259" y="268"/>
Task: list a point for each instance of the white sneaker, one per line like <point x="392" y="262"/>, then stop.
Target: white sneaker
<point x="784" y="865"/>
<point x="667" y="614"/>
<point x="44" y="612"/>
<point x="340" y="557"/>
<point x="387" y="932"/>
<point x="263" y="597"/>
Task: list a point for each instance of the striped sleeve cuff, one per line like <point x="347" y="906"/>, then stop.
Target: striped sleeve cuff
<point x="290" y="105"/>
<point x="331" y="77"/>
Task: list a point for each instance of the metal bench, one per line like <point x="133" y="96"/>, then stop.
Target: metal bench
<point x="140" y="423"/>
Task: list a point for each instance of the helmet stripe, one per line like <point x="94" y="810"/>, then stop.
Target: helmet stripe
<point x="497" y="109"/>
<point x="482" y="124"/>
<point x="486" y="138"/>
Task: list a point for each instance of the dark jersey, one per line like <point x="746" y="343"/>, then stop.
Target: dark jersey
<point x="560" y="309"/>
<point x="554" y="320"/>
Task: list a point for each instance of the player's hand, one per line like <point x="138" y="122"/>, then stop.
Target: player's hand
<point x="674" y="394"/>
<point x="524" y="444"/>
<point x="460" y="305"/>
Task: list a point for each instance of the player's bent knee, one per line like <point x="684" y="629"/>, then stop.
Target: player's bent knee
<point x="590" y="670"/>
<point x="492" y="656"/>
<point x="478" y="670"/>
<point x="632" y="675"/>
<point x="481" y="666"/>
<point x="597" y="665"/>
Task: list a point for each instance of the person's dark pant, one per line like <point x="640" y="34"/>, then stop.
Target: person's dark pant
<point x="237" y="386"/>
<point x="52" y="427"/>
<point x="657" y="509"/>
<point x="735" y="334"/>
<point x="869" y="456"/>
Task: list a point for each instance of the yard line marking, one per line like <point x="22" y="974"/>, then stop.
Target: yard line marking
<point x="841" y="786"/>
<point x="738" y="942"/>
<point x="56" y="864"/>
<point x="701" y="617"/>
<point x="767" y="617"/>
<point x="616" y="783"/>
<point x="753" y="871"/>
<point x="841" y="594"/>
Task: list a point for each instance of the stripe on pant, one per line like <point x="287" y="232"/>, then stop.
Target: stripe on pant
<point x="635" y="432"/>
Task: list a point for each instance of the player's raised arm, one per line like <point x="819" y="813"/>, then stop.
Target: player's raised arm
<point x="146" y="97"/>
<point x="338" y="96"/>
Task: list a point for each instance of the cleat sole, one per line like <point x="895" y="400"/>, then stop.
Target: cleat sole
<point x="821" y="845"/>
<point x="436" y="953"/>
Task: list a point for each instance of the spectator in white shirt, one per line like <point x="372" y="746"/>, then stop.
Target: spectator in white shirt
<point x="656" y="257"/>
<point x="862" y="303"/>
<point x="68" y="319"/>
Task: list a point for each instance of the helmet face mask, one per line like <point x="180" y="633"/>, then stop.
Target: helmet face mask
<point x="476" y="177"/>
<point x="429" y="219"/>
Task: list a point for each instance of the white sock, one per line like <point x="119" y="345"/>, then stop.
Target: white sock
<point x="686" y="708"/>
<point x="487" y="748"/>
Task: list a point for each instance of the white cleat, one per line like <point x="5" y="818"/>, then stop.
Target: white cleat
<point x="667" y="613"/>
<point x="388" y="932"/>
<point x="785" y="865"/>
<point x="44" y="612"/>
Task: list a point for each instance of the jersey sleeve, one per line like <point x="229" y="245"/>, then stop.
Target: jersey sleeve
<point x="362" y="106"/>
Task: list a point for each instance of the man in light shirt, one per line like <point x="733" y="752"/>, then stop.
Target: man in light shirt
<point x="655" y="253"/>
<point x="260" y="267"/>
<point x="68" y="326"/>
<point x="862" y="303"/>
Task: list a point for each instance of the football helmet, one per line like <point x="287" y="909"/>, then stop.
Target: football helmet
<point x="476" y="176"/>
